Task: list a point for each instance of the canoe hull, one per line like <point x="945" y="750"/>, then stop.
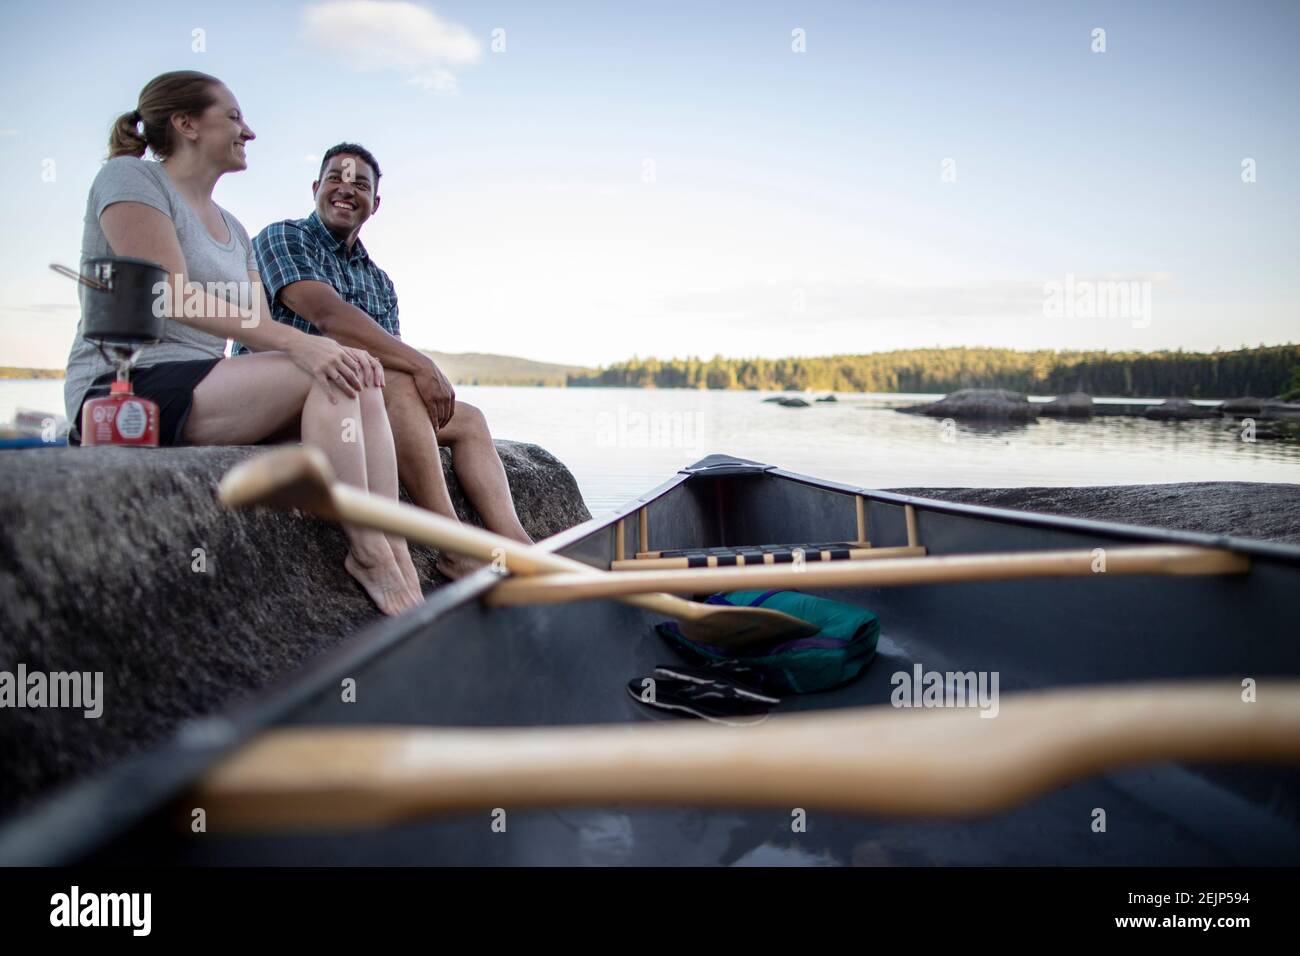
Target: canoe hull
<point x="459" y="663"/>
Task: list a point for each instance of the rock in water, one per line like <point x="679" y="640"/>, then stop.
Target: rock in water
<point x="1263" y="408"/>
<point x="121" y="560"/>
<point x="1073" y="405"/>
<point x="981" y="404"/>
<point x="1243" y="406"/>
<point x="1180" y="409"/>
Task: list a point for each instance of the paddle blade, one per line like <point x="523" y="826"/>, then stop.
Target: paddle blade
<point x="285" y="478"/>
<point x="738" y="627"/>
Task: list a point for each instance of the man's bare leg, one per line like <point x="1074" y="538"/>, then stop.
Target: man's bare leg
<point x="475" y="460"/>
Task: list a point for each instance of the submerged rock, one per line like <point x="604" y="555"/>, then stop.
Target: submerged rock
<point x="1263" y="408"/>
<point x="828" y="398"/>
<point x="1243" y="406"/>
<point x="1261" y="428"/>
<point x="121" y="560"/>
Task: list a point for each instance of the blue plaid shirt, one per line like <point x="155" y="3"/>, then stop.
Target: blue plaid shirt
<point x="297" y="249"/>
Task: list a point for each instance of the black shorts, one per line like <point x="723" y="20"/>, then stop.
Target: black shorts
<point x="170" y="384"/>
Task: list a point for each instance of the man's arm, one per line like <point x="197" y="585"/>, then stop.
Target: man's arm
<point x="320" y="304"/>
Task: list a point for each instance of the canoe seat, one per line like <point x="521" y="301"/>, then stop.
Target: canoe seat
<point x="750" y="554"/>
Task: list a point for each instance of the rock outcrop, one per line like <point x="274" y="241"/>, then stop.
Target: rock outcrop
<point x="121" y="560"/>
<point x="980" y="404"/>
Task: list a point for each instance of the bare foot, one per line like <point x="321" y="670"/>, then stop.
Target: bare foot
<point x="456" y="566"/>
<point x="402" y="555"/>
<point x="383" y="581"/>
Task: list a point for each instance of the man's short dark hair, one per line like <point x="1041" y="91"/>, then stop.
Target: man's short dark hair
<point x="355" y="150"/>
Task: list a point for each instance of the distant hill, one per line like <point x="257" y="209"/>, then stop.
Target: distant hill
<point x="463" y="368"/>
<point x="481" y="368"/>
<point x="7" y="372"/>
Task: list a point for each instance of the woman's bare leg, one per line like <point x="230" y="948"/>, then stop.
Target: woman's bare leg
<point x="246" y="399"/>
<point x="338" y="429"/>
<point x="381" y="475"/>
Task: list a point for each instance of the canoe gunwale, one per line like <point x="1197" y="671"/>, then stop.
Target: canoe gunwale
<point x="580" y="532"/>
<point x="1274" y="550"/>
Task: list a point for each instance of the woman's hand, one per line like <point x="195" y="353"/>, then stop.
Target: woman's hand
<point x="330" y="364"/>
<point x="372" y="368"/>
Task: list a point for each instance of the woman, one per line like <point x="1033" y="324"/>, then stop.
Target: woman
<point x="163" y="212"/>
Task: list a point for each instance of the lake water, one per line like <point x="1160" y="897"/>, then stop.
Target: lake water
<point x="620" y="443"/>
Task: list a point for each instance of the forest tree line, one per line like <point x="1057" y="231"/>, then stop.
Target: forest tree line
<point x="1260" y="372"/>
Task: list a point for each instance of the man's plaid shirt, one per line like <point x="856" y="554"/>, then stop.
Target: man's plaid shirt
<point x="298" y="249"/>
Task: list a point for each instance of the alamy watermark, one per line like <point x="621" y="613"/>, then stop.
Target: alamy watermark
<point x="189" y="299"/>
<point x="628" y="428"/>
<point x="77" y="908"/>
<point x="83" y="690"/>
<point x="1098" y="299"/>
<point x="922" y="688"/>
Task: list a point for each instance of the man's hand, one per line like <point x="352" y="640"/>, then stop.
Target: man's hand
<point x="439" y="397"/>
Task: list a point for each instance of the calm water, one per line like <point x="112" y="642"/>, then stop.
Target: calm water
<point x="620" y="443"/>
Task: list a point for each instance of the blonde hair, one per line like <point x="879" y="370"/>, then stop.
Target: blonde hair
<point x="149" y="125"/>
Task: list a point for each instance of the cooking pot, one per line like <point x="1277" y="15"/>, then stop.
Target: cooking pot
<point x="119" y="301"/>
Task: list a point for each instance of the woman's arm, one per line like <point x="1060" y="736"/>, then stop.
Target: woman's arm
<point x="137" y="230"/>
<point x="140" y="231"/>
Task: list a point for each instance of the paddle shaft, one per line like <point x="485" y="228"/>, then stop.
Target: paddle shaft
<point x="888" y="572"/>
<point x="878" y="760"/>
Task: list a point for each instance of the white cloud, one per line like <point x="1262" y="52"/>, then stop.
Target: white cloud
<point x="371" y="35"/>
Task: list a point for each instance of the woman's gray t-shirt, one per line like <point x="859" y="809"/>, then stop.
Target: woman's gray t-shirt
<point x="127" y="179"/>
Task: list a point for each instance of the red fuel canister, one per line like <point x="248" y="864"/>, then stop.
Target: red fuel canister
<point x="119" y="418"/>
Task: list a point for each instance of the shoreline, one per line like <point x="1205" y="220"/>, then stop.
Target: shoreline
<point x="57" y="375"/>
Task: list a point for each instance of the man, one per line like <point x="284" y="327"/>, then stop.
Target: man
<point x="320" y="279"/>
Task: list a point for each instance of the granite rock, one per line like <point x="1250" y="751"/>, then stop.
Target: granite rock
<point x="980" y="404"/>
<point x="121" y="560"/>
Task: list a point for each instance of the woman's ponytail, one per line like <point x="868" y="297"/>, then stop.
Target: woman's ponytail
<point x="126" y="139"/>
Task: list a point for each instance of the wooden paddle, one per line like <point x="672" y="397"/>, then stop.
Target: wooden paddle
<point x="876" y="760"/>
<point x="302" y="478"/>
<point x="887" y="572"/>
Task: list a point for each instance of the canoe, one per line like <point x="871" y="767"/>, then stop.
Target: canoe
<point x="475" y="657"/>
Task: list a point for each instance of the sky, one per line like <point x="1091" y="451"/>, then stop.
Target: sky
<point x="582" y="182"/>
